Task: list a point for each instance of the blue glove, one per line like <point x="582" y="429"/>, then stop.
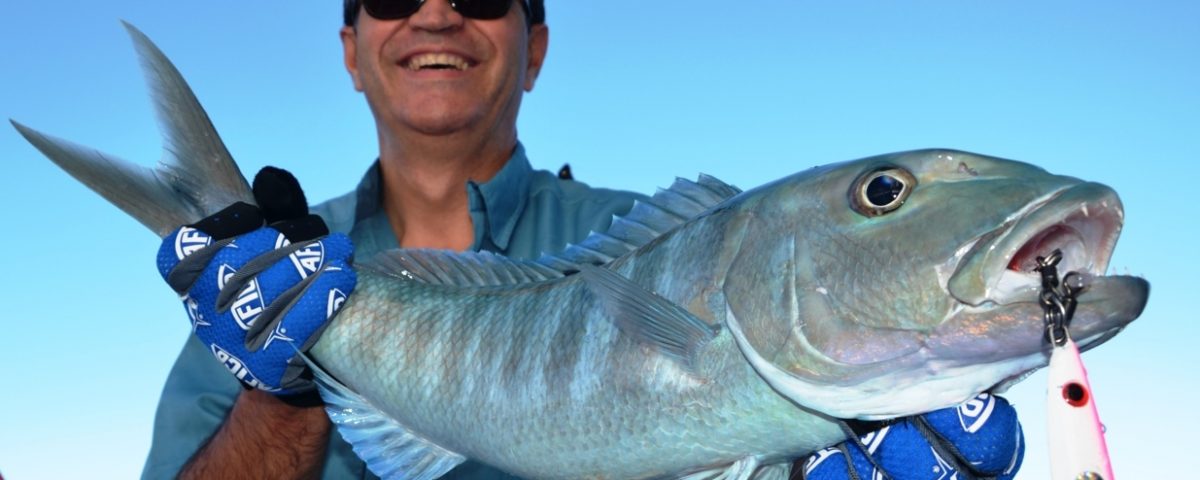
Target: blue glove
<point x="978" y="439"/>
<point x="256" y="295"/>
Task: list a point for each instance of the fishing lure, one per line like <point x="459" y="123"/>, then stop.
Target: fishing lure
<point x="1077" y="447"/>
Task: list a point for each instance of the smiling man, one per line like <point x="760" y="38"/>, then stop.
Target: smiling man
<point x="444" y="82"/>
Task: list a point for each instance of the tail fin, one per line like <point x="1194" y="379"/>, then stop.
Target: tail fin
<point x="196" y="175"/>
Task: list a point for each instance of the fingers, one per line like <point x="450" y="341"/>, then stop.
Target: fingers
<point x="193" y="245"/>
<point x="984" y="432"/>
<point x="295" y="313"/>
<point x="899" y="449"/>
<point x="183" y="256"/>
<point x="320" y="302"/>
<point x="279" y="195"/>
<point x="263" y="270"/>
<point x="258" y="295"/>
<point x="295" y="320"/>
<point x="300" y="322"/>
<point x="982" y="435"/>
<point x="304" y="321"/>
<point x="261" y="299"/>
<point x="835" y="463"/>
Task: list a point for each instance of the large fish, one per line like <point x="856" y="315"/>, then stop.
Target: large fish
<point x="710" y="332"/>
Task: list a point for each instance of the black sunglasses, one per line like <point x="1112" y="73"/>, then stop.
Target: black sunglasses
<point x="476" y="9"/>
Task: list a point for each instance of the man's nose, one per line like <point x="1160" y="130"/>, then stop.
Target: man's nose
<point x="436" y="15"/>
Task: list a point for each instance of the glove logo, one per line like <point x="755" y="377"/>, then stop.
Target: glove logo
<point x="279" y="333"/>
<point x="308" y="259"/>
<point x="874" y="439"/>
<point x="193" y="312"/>
<point x="818" y="458"/>
<point x="943" y="468"/>
<point x="973" y="414"/>
<point x="188" y="240"/>
<point x="238" y="368"/>
<point x="249" y="302"/>
<point x="336" y="299"/>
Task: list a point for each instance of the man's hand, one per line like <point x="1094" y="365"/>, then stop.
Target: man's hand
<point x="260" y="283"/>
<point x="978" y="439"/>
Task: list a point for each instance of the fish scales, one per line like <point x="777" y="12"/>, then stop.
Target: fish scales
<point x="552" y="327"/>
<point x="587" y="400"/>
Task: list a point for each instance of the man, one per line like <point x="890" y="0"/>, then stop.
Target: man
<point x="445" y="91"/>
<point x="444" y="82"/>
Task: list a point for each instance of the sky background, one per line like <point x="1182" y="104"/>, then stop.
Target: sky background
<point x="634" y="93"/>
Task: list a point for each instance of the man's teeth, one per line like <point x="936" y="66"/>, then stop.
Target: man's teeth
<point x="437" y="60"/>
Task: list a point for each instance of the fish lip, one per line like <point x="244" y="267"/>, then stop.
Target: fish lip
<point x="1083" y="220"/>
<point x="1011" y="340"/>
<point x="1086" y="343"/>
<point x="995" y="332"/>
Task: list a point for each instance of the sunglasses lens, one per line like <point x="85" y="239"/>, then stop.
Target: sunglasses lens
<point x="391" y="9"/>
<point x="482" y="9"/>
<point x="397" y="9"/>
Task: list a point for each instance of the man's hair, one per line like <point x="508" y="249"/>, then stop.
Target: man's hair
<point x="537" y="11"/>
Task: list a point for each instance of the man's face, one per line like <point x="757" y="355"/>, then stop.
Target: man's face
<point x="437" y="72"/>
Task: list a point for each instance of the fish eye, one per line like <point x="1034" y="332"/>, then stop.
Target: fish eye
<point x="881" y="191"/>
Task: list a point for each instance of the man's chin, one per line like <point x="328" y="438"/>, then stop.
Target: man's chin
<point x="439" y="121"/>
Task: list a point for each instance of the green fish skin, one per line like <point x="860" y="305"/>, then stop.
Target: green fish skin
<point x="711" y="332"/>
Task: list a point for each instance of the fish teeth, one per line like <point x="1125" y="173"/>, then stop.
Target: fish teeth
<point x="423" y="60"/>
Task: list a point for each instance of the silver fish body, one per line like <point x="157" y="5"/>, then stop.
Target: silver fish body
<point x="858" y="309"/>
<point x="720" y="334"/>
<point x="537" y="379"/>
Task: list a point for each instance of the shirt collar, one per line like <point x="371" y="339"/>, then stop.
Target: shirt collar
<point x="495" y="205"/>
<point x="499" y="202"/>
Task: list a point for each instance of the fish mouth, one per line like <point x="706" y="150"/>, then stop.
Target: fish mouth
<point x="1082" y="221"/>
<point x="1000" y="317"/>
<point x="997" y="334"/>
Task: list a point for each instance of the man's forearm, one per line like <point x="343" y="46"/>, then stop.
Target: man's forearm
<point x="264" y="438"/>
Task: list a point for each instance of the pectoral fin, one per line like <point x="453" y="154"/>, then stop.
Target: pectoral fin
<point x="390" y="450"/>
<point x="778" y="471"/>
<point x="743" y="469"/>
<point x="648" y="317"/>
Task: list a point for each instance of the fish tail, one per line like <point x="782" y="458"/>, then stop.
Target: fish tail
<point x="196" y="175"/>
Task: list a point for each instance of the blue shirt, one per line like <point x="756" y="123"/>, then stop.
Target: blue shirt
<point x="520" y="213"/>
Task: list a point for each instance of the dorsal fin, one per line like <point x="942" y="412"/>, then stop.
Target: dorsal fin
<point x="463" y="269"/>
<point x="647" y="220"/>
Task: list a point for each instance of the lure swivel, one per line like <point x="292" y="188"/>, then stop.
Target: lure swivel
<point x="1057" y="297"/>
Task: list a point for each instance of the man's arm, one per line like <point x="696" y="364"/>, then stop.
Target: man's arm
<point x="253" y="305"/>
<point x="264" y="438"/>
<point x="199" y="397"/>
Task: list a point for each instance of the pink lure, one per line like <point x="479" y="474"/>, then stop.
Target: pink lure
<point x="1077" y="447"/>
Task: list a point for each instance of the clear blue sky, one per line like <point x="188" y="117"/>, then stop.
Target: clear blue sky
<point x="634" y="94"/>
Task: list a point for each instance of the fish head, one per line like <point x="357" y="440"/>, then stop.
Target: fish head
<point x="902" y="283"/>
